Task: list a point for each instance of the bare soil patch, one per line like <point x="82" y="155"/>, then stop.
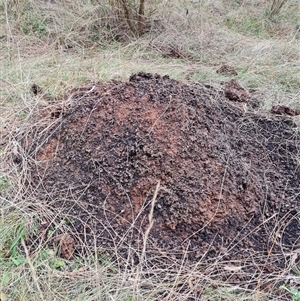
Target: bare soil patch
<point x="230" y="179"/>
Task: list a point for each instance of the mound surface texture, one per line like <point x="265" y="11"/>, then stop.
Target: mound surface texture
<point x="229" y="179"/>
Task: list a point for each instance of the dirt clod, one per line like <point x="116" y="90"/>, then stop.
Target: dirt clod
<point x="227" y="70"/>
<point x="234" y="91"/>
<point x="35" y="89"/>
<point x="284" y="110"/>
<point x="65" y="243"/>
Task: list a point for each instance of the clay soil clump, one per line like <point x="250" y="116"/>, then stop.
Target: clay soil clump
<point x="229" y="178"/>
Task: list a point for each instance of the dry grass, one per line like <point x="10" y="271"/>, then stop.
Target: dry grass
<point x="40" y="273"/>
<point x="265" y="53"/>
<point x="62" y="44"/>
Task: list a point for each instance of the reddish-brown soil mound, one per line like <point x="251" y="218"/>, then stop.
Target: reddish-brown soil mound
<point x="229" y="179"/>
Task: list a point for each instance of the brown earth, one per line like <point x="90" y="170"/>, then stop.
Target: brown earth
<point x="229" y="178"/>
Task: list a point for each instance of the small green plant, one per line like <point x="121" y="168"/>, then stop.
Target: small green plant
<point x="9" y="248"/>
<point x="49" y="255"/>
<point x="3" y="183"/>
<point x="21" y="115"/>
<point x="57" y="264"/>
<point x="5" y="279"/>
<point x="295" y="293"/>
<point x="34" y="24"/>
<point x="15" y="256"/>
